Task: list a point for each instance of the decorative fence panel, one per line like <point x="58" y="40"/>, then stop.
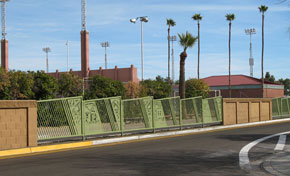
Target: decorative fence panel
<point x="212" y="110"/>
<point x="167" y="112"/>
<point x="137" y="114"/>
<point x="281" y="107"/>
<point x="102" y="116"/>
<point x="192" y="111"/>
<point x="59" y="118"/>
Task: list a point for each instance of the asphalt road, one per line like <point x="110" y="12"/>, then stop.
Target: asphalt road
<point x="215" y="153"/>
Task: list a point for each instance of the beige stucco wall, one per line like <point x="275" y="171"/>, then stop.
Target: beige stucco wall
<point x="245" y="110"/>
<point x="18" y="124"/>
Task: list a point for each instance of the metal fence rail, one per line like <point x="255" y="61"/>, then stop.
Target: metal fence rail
<point x="69" y="117"/>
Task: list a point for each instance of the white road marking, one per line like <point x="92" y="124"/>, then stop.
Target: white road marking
<point x="281" y="143"/>
<point x="244" y="153"/>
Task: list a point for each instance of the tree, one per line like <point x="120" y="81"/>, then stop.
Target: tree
<point x="158" y="88"/>
<point x="186" y="41"/>
<point x="269" y="77"/>
<point x="263" y="9"/>
<point x="170" y="23"/>
<point x="101" y="87"/>
<point x="195" y="87"/>
<point x="21" y="85"/>
<point x="70" y="85"/>
<point x="230" y="18"/>
<point x="4" y="85"/>
<point x="132" y="90"/>
<point x="286" y="83"/>
<point x="197" y="17"/>
<point x="45" y="86"/>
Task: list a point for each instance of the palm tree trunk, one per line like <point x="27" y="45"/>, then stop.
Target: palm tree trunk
<point x="230" y="86"/>
<point x="168" y="55"/>
<point x="262" y="64"/>
<point x="198" y="51"/>
<point x="183" y="56"/>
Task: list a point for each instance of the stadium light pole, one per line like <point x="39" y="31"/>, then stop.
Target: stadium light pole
<point x="250" y="32"/>
<point x="142" y="19"/>
<point x="105" y="45"/>
<point x="172" y="39"/>
<point x="46" y="50"/>
<point x="67" y="54"/>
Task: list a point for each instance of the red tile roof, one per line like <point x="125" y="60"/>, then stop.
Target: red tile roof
<point x="235" y="80"/>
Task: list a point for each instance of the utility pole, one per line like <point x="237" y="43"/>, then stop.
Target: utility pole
<point x="67" y="54"/>
<point x="250" y="32"/>
<point x="46" y="50"/>
<point x="172" y="39"/>
<point x="105" y="45"/>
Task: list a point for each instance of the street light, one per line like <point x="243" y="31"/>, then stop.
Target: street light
<point x="46" y="50"/>
<point x="251" y="60"/>
<point x="105" y="45"/>
<point x="142" y="19"/>
<point x="67" y="54"/>
<point x="172" y="39"/>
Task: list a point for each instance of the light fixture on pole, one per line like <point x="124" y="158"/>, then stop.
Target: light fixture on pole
<point x="251" y="60"/>
<point x="67" y="54"/>
<point x="105" y="45"/>
<point x="172" y="39"/>
<point x="142" y="19"/>
<point x="46" y="50"/>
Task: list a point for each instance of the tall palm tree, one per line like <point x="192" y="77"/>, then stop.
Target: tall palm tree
<point x="230" y="18"/>
<point x="197" y="17"/>
<point x="170" y="23"/>
<point x="186" y="41"/>
<point x="263" y="9"/>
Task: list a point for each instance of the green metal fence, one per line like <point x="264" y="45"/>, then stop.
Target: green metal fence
<point x="59" y="118"/>
<point x="281" y="107"/>
<point x="70" y="117"/>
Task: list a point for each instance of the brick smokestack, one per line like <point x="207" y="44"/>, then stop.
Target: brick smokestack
<point x="4" y="54"/>
<point x="85" y="53"/>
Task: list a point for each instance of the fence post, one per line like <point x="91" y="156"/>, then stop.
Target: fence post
<point x="121" y="117"/>
<point x="180" y="113"/>
<point x="153" y="116"/>
<point x="82" y="120"/>
<point x="202" y="118"/>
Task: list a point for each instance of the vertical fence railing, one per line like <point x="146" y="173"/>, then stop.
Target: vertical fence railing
<point x="281" y="107"/>
<point x="70" y="117"/>
<point x="59" y="118"/>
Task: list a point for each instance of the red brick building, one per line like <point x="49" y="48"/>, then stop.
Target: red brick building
<point x="243" y="87"/>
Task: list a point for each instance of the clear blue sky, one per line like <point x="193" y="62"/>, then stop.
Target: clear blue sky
<point x="34" y="24"/>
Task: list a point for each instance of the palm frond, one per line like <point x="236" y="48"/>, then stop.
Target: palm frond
<point x="197" y="17"/>
<point x="187" y="40"/>
<point x="263" y="8"/>
<point x="230" y="17"/>
<point x="170" y="22"/>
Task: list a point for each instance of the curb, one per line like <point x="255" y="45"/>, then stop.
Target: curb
<point x="103" y="142"/>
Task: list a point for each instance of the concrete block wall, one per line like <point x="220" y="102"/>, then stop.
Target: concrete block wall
<point x="245" y="110"/>
<point x="18" y="124"/>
